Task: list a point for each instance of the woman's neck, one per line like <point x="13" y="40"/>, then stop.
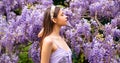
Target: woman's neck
<point x="56" y="30"/>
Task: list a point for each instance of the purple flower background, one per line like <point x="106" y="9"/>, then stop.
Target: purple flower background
<point x="84" y="33"/>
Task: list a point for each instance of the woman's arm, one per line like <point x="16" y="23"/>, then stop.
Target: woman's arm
<point x="46" y="50"/>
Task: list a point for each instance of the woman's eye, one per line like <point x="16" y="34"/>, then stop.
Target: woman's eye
<point x="62" y="14"/>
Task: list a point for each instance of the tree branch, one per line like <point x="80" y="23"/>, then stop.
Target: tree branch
<point x="100" y="25"/>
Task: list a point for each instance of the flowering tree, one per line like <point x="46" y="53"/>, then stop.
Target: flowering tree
<point x="93" y="30"/>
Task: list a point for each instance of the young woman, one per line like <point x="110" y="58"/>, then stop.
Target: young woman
<point x="53" y="48"/>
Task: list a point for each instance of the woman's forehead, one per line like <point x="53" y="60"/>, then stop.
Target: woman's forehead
<point x="61" y="11"/>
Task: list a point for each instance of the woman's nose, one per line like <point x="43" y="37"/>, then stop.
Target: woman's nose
<point x="66" y="17"/>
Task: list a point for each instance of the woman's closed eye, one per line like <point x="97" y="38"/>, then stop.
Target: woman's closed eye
<point x="62" y="14"/>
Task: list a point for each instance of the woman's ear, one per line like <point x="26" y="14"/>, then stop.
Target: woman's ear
<point x="54" y="20"/>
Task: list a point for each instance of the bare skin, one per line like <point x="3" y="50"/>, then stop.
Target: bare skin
<point x="49" y="43"/>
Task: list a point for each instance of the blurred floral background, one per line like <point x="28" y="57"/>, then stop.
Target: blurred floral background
<point x="92" y="33"/>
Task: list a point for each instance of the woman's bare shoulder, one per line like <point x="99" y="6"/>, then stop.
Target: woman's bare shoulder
<point x="48" y="40"/>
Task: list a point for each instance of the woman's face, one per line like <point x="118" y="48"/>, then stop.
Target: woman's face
<point x="61" y="19"/>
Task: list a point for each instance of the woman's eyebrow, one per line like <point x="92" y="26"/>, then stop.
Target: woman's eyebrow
<point x="62" y="13"/>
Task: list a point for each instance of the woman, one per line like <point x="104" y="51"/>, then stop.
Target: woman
<point x="53" y="48"/>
